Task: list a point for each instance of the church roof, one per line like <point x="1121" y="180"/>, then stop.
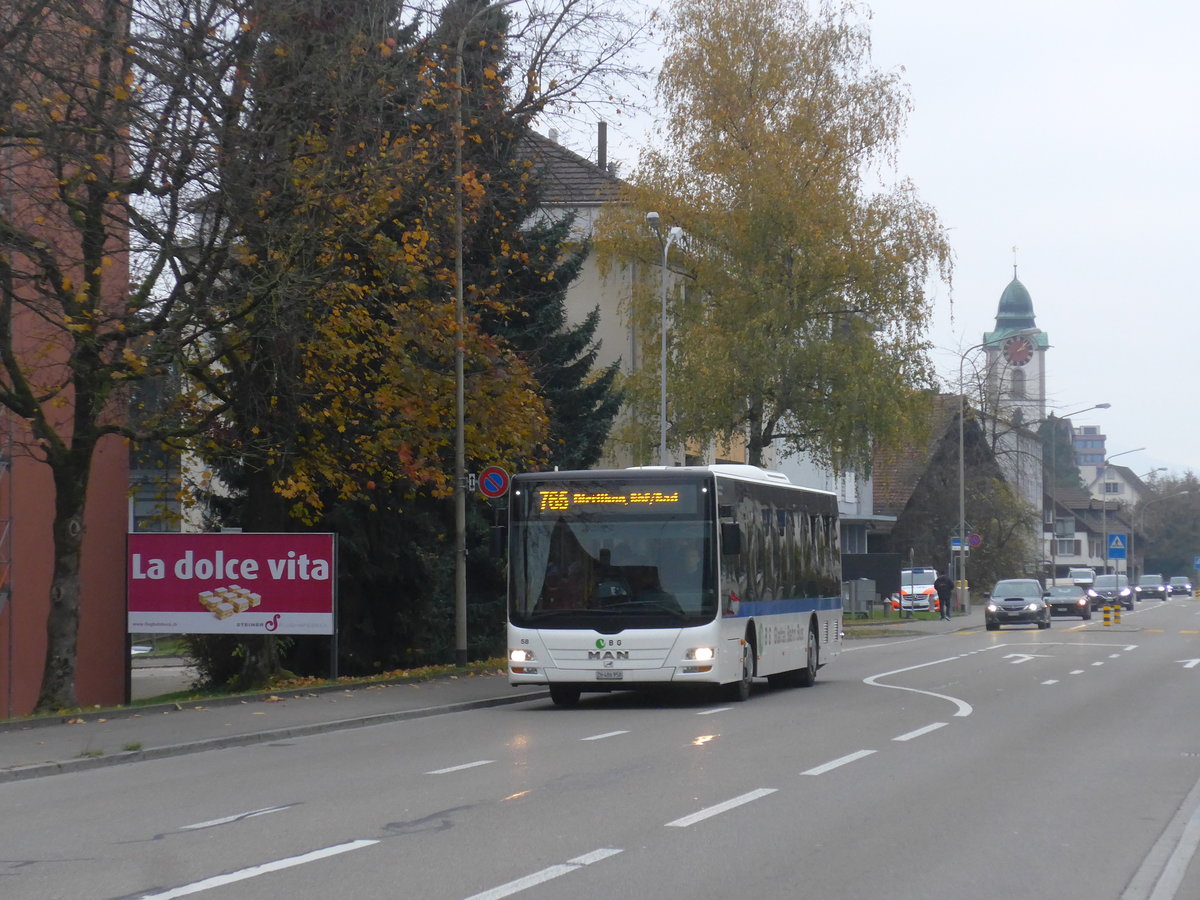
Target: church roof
<point x="1015" y="313"/>
<point x="1016" y="308"/>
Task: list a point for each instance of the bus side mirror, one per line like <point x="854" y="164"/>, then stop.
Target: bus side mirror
<point x="731" y="539"/>
<point x="499" y="533"/>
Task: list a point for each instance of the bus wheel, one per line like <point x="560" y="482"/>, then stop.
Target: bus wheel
<point x="807" y="676"/>
<point x="564" y="694"/>
<point x="740" y="689"/>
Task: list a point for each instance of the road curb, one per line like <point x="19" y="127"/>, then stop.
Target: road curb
<point x="83" y="764"/>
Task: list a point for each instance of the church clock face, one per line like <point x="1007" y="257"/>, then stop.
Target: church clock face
<point x="1018" y="350"/>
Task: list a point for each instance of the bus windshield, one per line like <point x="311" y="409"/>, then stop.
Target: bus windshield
<point x="612" y="557"/>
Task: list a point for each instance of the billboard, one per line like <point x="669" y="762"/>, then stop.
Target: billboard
<point x="231" y="583"/>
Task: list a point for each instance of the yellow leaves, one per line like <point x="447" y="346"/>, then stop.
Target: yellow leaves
<point x="137" y="364"/>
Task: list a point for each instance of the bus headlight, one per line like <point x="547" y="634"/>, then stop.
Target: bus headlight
<point x="520" y="656"/>
<point x="702" y="653"/>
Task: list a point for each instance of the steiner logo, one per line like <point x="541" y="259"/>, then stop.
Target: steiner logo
<point x="608" y="654"/>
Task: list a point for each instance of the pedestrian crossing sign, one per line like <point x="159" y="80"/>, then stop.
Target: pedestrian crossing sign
<point x="1116" y="546"/>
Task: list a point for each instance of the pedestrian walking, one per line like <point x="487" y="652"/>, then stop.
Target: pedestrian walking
<point x="945" y="590"/>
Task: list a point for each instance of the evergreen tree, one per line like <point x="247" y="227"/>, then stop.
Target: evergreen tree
<point x="1058" y="454"/>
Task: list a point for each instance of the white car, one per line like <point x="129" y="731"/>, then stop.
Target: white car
<point x="916" y="592"/>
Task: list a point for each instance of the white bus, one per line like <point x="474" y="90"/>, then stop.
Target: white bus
<point x="712" y="575"/>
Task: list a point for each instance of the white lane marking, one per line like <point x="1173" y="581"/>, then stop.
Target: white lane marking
<point x="254" y="871"/>
<point x="470" y="765"/>
<point x="547" y="874"/>
<point x="1167" y="862"/>
<point x="838" y="763"/>
<point x="920" y="731"/>
<point x="1189" y="663"/>
<point x="720" y="808"/>
<point x="1050" y="681"/>
<point x="1098" y="662"/>
<point x="964" y="708"/>
<point x="234" y="818"/>
<point x="1076" y="672"/>
<point x="1114" y="656"/>
<point x="600" y="737"/>
<point x="709" y="712"/>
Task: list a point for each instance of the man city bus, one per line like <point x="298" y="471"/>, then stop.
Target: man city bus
<point x="709" y="575"/>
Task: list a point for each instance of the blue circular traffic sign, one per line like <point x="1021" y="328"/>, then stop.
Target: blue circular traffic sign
<point x="493" y="482"/>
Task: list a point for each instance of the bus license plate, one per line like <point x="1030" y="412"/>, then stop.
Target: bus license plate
<point x="609" y="675"/>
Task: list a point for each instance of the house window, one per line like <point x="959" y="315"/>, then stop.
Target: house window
<point x="1067" y="548"/>
<point x="1064" y="526"/>
<point x="1114" y="487"/>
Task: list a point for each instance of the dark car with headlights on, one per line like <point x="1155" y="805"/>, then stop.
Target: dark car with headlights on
<point x="1152" y="587"/>
<point x="1110" y="590"/>
<point x="1181" y="585"/>
<point x="1069" y="600"/>
<point x="1017" y="601"/>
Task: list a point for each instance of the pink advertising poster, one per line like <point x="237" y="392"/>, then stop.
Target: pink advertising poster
<point x="231" y="583"/>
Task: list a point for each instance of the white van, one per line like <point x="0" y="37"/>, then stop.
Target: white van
<point x="1084" y="577"/>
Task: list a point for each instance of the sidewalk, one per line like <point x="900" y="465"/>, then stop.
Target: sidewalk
<point x="897" y="625"/>
<point x="33" y="748"/>
<point x="50" y="745"/>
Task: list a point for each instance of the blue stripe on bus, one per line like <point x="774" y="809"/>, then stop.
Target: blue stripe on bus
<point x="792" y="605"/>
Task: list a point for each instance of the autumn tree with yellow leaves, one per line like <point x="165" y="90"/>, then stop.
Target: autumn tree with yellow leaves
<point x="797" y="320"/>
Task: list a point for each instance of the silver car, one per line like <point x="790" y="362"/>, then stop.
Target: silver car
<point x="1017" y="601"/>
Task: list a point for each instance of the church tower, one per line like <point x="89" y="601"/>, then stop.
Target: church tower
<point x="1016" y="359"/>
<point x="1014" y="391"/>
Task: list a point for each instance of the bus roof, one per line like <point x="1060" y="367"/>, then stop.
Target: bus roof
<point x="727" y="470"/>
<point x="736" y="470"/>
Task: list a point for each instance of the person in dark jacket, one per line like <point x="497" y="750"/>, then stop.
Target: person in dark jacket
<point x="945" y="591"/>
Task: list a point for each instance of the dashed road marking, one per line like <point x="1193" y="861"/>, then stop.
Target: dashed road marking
<point x="719" y="808"/>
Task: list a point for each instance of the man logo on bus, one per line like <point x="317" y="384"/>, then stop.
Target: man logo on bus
<point x="608" y="654"/>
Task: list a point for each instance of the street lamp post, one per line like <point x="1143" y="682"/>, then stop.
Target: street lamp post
<point x="1053" y="478"/>
<point x="1132" y="560"/>
<point x="1104" y="505"/>
<point x="675" y="232"/>
<point x="1140" y="520"/>
<point x="960" y="572"/>
<point x="460" y="442"/>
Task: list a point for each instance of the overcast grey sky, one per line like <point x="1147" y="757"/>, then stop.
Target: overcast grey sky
<point x="1067" y="129"/>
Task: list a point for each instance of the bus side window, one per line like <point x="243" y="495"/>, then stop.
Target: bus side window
<point x="731" y="538"/>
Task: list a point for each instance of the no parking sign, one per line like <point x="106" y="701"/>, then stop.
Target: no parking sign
<point x="493" y="482"/>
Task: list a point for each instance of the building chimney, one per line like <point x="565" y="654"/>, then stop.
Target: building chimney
<point x="602" y="145"/>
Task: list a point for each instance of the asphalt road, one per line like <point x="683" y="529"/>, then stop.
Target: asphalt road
<point x="1020" y="763"/>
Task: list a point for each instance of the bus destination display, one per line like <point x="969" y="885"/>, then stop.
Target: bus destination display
<point x="635" y="499"/>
